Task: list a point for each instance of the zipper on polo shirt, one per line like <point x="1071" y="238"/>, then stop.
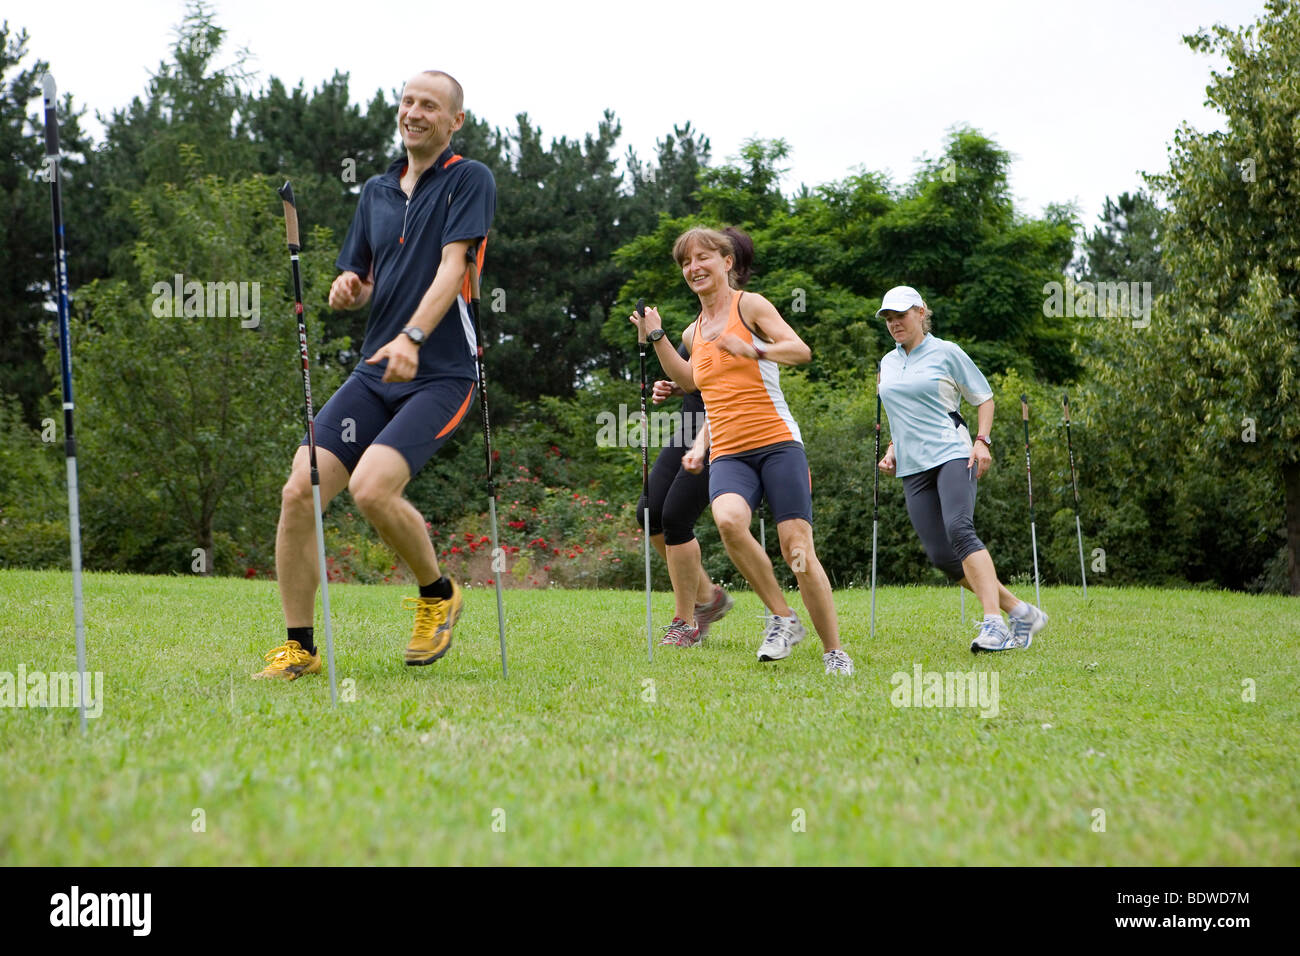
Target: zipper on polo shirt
<point x="401" y="240"/>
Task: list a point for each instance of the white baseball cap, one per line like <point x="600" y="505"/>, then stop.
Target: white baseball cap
<point x="899" y="299"/>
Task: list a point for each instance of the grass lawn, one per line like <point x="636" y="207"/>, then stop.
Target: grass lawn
<point x="1130" y="704"/>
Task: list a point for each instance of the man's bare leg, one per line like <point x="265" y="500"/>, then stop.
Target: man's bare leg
<point x="377" y="484"/>
<point x="296" y="565"/>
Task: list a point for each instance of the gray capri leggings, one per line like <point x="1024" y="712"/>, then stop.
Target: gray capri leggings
<point x="941" y="504"/>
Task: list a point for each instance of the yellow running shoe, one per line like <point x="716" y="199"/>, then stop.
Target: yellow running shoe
<point x="289" y="662"/>
<point x="434" y="619"/>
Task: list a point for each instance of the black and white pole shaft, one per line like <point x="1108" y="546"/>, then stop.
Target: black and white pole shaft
<point x="53" y="172"/>
<point x="291" y="234"/>
<point x="1033" y="532"/>
<point x="645" y="478"/>
<point x="875" y="505"/>
<point x="1078" y="525"/>
<point x="498" y="556"/>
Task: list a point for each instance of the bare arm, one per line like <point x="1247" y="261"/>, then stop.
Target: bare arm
<point x="678" y="369"/>
<point x="783" y="344"/>
<point x="979" y="454"/>
<point x="693" y="460"/>
<point x="403" y="354"/>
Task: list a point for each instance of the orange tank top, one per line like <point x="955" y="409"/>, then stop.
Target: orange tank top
<point x="742" y="397"/>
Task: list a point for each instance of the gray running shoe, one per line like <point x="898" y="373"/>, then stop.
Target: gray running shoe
<point x="993" y="636"/>
<point x="1024" y="631"/>
<point x="837" y="662"/>
<point x="782" y="634"/>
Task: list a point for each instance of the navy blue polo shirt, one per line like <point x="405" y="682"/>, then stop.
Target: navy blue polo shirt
<point x="401" y="241"/>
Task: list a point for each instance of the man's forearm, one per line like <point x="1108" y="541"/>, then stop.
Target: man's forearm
<point x="441" y="293"/>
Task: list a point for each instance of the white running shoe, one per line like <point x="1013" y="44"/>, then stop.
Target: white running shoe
<point x="1024" y="631"/>
<point x="837" y="662"/>
<point x="782" y="634"/>
<point x="993" y="636"/>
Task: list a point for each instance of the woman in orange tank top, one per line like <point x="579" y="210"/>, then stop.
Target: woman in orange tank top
<point x="736" y="346"/>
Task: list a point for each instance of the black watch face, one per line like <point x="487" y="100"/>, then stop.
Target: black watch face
<point x="657" y="334"/>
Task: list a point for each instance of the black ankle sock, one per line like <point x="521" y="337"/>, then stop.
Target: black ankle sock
<point x="303" y="635"/>
<point x="440" y="588"/>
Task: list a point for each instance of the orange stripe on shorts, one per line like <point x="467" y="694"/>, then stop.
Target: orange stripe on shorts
<point x="460" y="413"/>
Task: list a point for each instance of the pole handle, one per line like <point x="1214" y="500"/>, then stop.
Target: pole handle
<point x="290" y="216"/>
<point x="640" y="326"/>
<point x="1024" y="407"/>
<point x="51" y="118"/>
<point x="1065" y="402"/>
<point x="471" y="256"/>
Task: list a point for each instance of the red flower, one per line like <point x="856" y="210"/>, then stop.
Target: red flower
<point x="455" y="549"/>
<point x="516" y="524"/>
<point x="546" y="567"/>
<point x="251" y="573"/>
<point x="484" y="540"/>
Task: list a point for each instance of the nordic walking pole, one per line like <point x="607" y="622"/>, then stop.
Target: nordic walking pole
<point x="875" y="505"/>
<point x="291" y="234"/>
<point x="52" y="158"/>
<point x="762" y="532"/>
<point x="1033" y="533"/>
<point x="1078" y="525"/>
<point x="645" y="478"/>
<point x="472" y="255"/>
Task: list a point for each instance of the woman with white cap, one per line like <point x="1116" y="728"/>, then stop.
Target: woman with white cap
<point x="922" y="382"/>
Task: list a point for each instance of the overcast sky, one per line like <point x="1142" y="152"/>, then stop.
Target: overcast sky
<point x="1083" y="94"/>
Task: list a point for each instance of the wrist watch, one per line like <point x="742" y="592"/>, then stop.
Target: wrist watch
<point x="986" y="440"/>
<point x="415" y="334"/>
<point x="655" y="335"/>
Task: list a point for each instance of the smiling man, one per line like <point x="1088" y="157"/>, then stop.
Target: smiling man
<point x="405" y="254"/>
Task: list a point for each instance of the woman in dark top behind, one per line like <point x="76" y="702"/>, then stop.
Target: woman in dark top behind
<point x="677" y="498"/>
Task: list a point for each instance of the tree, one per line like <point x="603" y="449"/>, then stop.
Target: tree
<point x="188" y="402"/>
<point x="1127" y="244"/>
<point x="1228" y="349"/>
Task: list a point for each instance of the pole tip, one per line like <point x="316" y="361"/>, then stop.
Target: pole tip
<point x="47" y="84"/>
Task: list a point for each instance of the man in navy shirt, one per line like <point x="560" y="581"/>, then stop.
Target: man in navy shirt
<point x="406" y="254"/>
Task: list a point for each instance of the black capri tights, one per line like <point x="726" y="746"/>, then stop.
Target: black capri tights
<point x="677" y="498"/>
<point x="941" y="504"/>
